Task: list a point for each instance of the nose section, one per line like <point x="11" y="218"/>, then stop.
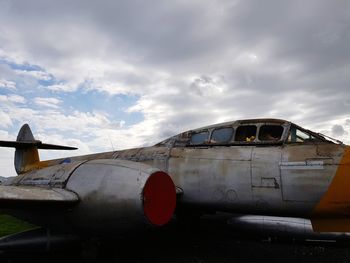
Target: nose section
<point x="159" y="198"/>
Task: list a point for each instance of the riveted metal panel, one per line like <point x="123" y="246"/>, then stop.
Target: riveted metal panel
<point x="266" y="180"/>
<point x="305" y="173"/>
<point x="216" y="176"/>
<point x="53" y="176"/>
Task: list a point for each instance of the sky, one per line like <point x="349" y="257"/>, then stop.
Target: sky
<point x="108" y="75"/>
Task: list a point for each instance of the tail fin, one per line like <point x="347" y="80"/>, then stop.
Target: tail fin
<point x="27" y="155"/>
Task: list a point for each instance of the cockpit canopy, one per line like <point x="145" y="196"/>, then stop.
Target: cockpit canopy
<point x="247" y="132"/>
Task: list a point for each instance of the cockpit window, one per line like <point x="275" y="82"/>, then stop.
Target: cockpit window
<point x="200" y="137"/>
<point x="270" y="133"/>
<point x="246" y="133"/>
<point x="221" y="135"/>
<point x="297" y="135"/>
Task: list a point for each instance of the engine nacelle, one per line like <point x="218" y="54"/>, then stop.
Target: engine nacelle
<point x="119" y="194"/>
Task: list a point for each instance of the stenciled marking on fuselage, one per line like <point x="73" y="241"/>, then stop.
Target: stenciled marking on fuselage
<point x="308" y="165"/>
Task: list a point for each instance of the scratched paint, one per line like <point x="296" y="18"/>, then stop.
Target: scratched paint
<point x="290" y="179"/>
<point x="333" y="211"/>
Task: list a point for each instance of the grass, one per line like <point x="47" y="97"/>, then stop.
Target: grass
<point x="11" y="225"/>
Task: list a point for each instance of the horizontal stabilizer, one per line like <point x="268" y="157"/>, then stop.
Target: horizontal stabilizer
<point x="27" y="154"/>
<point x="37" y="144"/>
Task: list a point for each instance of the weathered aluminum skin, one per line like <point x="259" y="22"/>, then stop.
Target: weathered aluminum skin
<point x="30" y="193"/>
<point x="306" y="172"/>
<point x="274" y="178"/>
<point x="104" y="196"/>
<point x="110" y="193"/>
<point x="263" y="178"/>
<point x="254" y="179"/>
<point x="52" y="176"/>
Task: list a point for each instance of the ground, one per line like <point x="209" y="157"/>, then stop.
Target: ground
<point x="10" y="225"/>
<point x="208" y="242"/>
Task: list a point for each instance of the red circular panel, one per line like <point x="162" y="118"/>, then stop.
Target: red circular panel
<point x="159" y="198"/>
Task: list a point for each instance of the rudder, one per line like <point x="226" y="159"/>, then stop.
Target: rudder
<point x="26" y="156"/>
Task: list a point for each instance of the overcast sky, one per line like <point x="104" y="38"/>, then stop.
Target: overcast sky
<point x="105" y="75"/>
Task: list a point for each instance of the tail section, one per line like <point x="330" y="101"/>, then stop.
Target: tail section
<point x="27" y="155"/>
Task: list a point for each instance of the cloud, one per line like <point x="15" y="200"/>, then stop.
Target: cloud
<point x="5" y="122"/>
<point x="187" y="64"/>
<point x="62" y="87"/>
<point x="12" y="98"/>
<point x="39" y="75"/>
<point x="6" y="162"/>
<point x="7" y="84"/>
<point x="76" y="121"/>
<point x="208" y="87"/>
<point x="338" y="130"/>
<point x="47" y="102"/>
<point x="6" y="154"/>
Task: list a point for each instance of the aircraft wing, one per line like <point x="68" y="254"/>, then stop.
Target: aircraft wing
<point x="15" y="196"/>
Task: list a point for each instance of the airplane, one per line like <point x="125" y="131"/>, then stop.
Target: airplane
<point x="269" y="167"/>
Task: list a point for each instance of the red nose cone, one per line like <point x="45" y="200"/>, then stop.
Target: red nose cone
<point x="159" y="198"/>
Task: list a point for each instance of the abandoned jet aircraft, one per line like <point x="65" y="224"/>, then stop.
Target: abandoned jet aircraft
<point x="258" y="166"/>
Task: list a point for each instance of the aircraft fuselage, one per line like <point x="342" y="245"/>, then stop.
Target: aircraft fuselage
<point x="264" y="166"/>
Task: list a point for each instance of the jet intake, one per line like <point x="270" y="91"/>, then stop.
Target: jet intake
<point x="159" y="198"/>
